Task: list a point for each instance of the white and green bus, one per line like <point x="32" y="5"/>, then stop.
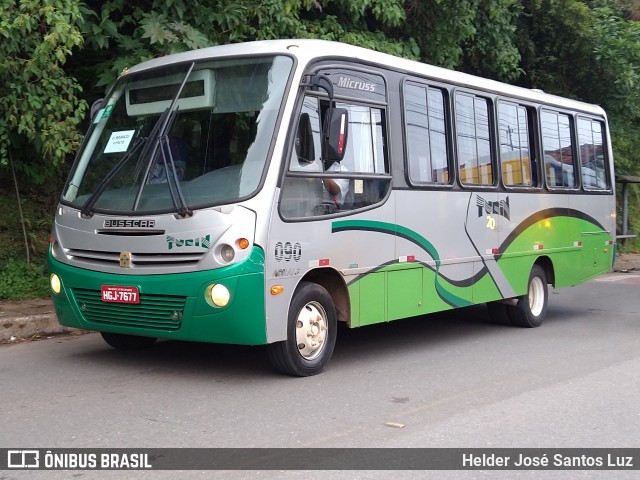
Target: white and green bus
<point x="259" y="193"/>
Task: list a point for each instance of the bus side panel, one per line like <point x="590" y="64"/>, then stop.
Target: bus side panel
<point x="344" y="245"/>
<point x="597" y="239"/>
<point x="545" y="226"/>
<point x="368" y="300"/>
<point x="444" y="260"/>
<point x="365" y="252"/>
<point x="291" y="249"/>
<point x="451" y="239"/>
<point x="529" y="230"/>
<point x="408" y="280"/>
<point x="404" y="292"/>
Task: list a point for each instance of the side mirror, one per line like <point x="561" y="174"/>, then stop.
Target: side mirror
<point x="336" y="129"/>
<point x="305" y="148"/>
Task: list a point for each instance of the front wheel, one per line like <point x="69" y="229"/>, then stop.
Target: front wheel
<point x="121" y="341"/>
<point x="531" y="308"/>
<point x="311" y="333"/>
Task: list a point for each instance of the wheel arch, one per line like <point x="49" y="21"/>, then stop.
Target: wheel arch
<point x="333" y="283"/>
<point x="547" y="265"/>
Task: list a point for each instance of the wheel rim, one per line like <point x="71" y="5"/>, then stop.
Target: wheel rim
<point x="536" y="296"/>
<point x="311" y="330"/>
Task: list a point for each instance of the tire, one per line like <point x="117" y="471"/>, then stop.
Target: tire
<point x="311" y="333"/>
<point x="530" y="309"/>
<point x="120" y="341"/>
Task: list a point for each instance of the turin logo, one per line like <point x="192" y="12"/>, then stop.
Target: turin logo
<point x="486" y="207"/>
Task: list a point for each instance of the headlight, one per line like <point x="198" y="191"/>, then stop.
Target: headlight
<point x="219" y="294"/>
<point x="56" y="284"/>
<point x="227" y="253"/>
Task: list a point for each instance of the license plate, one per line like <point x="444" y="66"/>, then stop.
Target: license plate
<point x="115" y="294"/>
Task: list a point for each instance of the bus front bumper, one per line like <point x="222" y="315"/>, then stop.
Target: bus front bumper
<point x="174" y="306"/>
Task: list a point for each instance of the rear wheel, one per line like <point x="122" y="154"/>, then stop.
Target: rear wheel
<point x="531" y="308"/>
<point x="311" y="333"/>
<point x="127" y="342"/>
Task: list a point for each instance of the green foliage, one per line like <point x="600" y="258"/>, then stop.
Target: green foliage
<point x="626" y="143"/>
<point x="20" y="280"/>
<point x="39" y="102"/>
<point x="121" y="34"/>
<point x="616" y="60"/>
<point x="492" y="52"/>
<point x="38" y="207"/>
<point x="591" y="54"/>
<point x="477" y="36"/>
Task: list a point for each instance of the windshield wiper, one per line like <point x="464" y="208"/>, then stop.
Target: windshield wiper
<point x="161" y="141"/>
<point x="153" y="135"/>
<point x="155" y="140"/>
<point x="173" y="181"/>
<point x="87" y="208"/>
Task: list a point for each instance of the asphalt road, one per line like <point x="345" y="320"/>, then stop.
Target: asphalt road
<point x="447" y="380"/>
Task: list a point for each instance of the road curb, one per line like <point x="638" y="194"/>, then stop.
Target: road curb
<point x="30" y="326"/>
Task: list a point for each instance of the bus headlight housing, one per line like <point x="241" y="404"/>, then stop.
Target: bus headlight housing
<point x="218" y="294"/>
<point x="227" y="253"/>
<point x="56" y="249"/>
<point x="56" y="283"/>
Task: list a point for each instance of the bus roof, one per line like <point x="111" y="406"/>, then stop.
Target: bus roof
<point x="308" y="50"/>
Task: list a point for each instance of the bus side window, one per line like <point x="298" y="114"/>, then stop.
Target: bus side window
<point x="592" y="155"/>
<point x="427" y="153"/>
<point x="474" y="139"/>
<point x="558" y="144"/>
<point x="366" y="153"/>
<point x="517" y="157"/>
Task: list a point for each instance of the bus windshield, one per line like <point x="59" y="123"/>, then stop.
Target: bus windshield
<point x="179" y="138"/>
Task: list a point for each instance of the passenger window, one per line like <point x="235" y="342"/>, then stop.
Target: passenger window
<point x="592" y="155"/>
<point x="474" y="139"/>
<point x="516" y="156"/>
<point x="558" y="145"/>
<point x="314" y="187"/>
<point x="424" y="109"/>
<point x="365" y="145"/>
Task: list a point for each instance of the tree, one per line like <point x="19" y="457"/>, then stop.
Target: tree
<point x="476" y="36"/>
<point x="39" y="102"/>
<point x="39" y="105"/>
<point x="123" y="33"/>
<point x="587" y="51"/>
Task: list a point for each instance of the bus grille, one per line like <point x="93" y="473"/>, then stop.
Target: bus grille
<point x="158" y="312"/>
<point x="96" y="257"/>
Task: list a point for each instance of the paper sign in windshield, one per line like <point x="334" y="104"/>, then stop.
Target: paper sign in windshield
<point x="119" y="141"/>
